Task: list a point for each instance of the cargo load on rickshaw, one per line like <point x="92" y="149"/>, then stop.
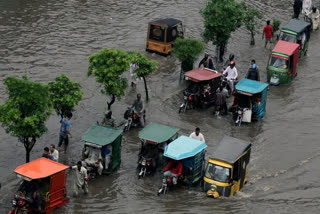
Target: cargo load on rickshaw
<point x="226" y="171"/>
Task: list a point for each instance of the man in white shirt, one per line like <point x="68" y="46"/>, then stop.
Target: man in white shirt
<point x="232" y="74"/>
<point x="94" y="158"/>
<point x="197" y="135"/>
<point x="54" y="153"/>
<point x="81" y="178"/>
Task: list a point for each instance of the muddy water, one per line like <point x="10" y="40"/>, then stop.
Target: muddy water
<point x="48" y="38"/>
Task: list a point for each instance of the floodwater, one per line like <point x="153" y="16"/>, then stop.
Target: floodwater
<point x="48" y="38"/>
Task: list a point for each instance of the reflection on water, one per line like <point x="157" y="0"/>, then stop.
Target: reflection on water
<point x="47" y="38"/>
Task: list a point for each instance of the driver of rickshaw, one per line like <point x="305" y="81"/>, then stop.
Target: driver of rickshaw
<point x="173" y="169"/>
<point x="94" y="157"/>
<point x="150" y="151"/>
<point x="31" y="191"/>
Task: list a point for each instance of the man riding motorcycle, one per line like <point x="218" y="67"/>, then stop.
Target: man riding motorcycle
<point x="231" y="74"/>
<point x="138" y="106"/>
<point x="173" y="169"/>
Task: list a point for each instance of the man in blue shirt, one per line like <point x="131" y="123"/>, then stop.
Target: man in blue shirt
<point x="65" y="130"/>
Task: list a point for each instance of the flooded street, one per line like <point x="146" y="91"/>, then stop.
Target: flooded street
<point x="47" y="38"/>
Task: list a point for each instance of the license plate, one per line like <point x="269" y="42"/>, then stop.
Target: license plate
<point x="143" y="163"/>
<point x="185" y="97"/>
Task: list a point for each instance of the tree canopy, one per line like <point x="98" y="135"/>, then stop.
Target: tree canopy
<point x="107" y="66"/>
<point x="25" y="111"/>
<point x="250" y="20"/>
<point x="187" y="51"/>
<point x="65" y="94"/>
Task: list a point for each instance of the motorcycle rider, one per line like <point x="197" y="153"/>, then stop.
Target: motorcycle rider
<point x="81" y="181"/>
<point x="231" y="73"/>
<point x="253" y="72"/>
<point x="173" y="169"/>
<point x="150" y="151"/>
<point x="227" y="63"/>
<point x="139" y="109"/>
<point x="207" y="62"/>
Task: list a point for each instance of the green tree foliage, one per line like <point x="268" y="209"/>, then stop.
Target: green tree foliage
<point x="276" y="25"/>
<point x="221" y="18"/>
<point x="107" y="66"/>
<point x="65" y="94"/>
<point x="187" y="51"/>
<point x="145" y="67"/>
<point x="25" y="111"/>
<point x="250" y="21"/>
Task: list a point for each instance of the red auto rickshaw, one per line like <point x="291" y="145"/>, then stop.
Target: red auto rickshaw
<point x="43" y="187"/>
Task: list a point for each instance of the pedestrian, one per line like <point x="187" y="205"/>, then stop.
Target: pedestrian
<point x="54" y="153"/>
<point x="134" y="77"/>
<point x="207" y="62"/>
<point x="297" y="8"/>
<point x="306" y="9"/>
<point x="221" y="101"/>
<point x="81" y="178"/>
<point x="197" y="135"/>
<point x="253" y="72"/>
<point x="46" y="154"/>
<point x="267" y="33"/>
<point x="65" y="130"/>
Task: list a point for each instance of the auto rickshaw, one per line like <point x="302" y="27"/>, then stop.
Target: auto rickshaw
<point x="190" y="152"/>
<point x="102" y="150"/>
<point x="162" y="33"/>
<point x="201" y="91"/>
<point x="297" y="31"/>
<point x="250" y="101"/>
<point x="154" y="138"/>
<point x="46" y="180"/>
<point x="226" y="171"/>
<point x="282" y="65"/>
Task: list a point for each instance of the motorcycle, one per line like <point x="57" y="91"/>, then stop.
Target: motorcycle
<point x="239" y="115"/>
<point x="188" y="99"/>
<point x="145" y="165"/>
<point x="20" y="204"/>
<point x="132" y="119"/>
<point x="166" y="183"/>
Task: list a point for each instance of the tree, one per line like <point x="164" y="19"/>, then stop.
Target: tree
<point x="25" y="111"/>
<point x="221" y="18"/>
<point x="65" y="94"/>
<point x="187" y="51"/>
<point x="276" y="25"/>
<point x="107" y="66"/>
<point x="145" y="67"/>
<point x="250" y="21"/>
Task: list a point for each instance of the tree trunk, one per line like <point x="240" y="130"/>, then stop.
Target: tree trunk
<point x="113" y="98"/>
<point x="28" y="147"/>
<point x="146" y="88"/>
<point x="221" y="51"/>
<point x="27" y="155"/>
<point x="252" y="42"/>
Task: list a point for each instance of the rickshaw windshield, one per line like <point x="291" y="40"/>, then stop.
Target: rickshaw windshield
<point x="218" y="173"/>
<point x="156" y="33"/>
<point x="278" y="62"/>
<point x="288" y="37"/>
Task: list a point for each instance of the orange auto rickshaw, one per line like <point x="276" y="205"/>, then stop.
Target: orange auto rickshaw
<point x="42" y="189"/>
<point x="162" y="33"/>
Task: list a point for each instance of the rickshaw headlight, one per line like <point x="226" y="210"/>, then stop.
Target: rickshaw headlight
<point x="14" y="202"/>
<point x="213" y="188"/>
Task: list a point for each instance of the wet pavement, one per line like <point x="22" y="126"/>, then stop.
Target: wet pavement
<point x="48" y="38"/>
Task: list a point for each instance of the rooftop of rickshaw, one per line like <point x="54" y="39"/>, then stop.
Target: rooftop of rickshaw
<point x="230" y="149"/>
<point x="251" y="86"/>
<point x="170" y="22"/>
<point x="40" y="168"/>
<point x="296" y="25"/>
<point x="101" y="135"/>
<point x="202" y="74"/>
<point x="184" y="147"/>
<point x="285" y="47"/>
<point x="157" y="133"/>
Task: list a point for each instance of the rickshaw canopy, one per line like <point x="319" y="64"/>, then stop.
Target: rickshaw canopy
<point x="284" y="47"/>
<point x="251" y="86"/>
<point x="170" y="22"/>
<point x="230" y="149"/>
<point x="100" y="136"/>
<point x="40" y="168"/>
<point x="296" y="26"/>
<point x="184" y="147"/>
<point x="157" y="133"/>
<point x="202" y="74"/>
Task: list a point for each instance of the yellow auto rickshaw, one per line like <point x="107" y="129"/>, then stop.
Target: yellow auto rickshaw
<point x="227" y="170"/>
<point x="162" y="33"/>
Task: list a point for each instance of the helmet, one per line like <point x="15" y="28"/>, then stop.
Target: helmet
<point x="232" y="62"/>
<point x="231" y="57"/>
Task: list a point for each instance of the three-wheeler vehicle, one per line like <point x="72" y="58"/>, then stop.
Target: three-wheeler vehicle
<point x="102" y="150"/>
<point x="43" y="187"/>
<point x="162" y="33"/>
<point x="154" y="138"/>
<point x="226" y="171"/>
<point x="202" y="88"/>
<point x="282" y="65"/>
<point x="187" y="153"/>
<point x="250" y="100"/>
<point x="297" y="31"/>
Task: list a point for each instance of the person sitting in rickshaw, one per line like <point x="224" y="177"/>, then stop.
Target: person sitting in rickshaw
<point x="207" y="62"/>
<point x="205" y="96"/>
<point x="31" y="191"/>
<point x="187" y="170"/>
<point x="107" y="153"/>
<point x="256" y="103"/>
<point x="94" y="158"/>
<point x="173" y="169"/>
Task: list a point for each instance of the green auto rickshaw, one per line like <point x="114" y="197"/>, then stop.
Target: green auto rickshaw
<point x="102" y="150"/>
<point x="282" y="65"/>
<point x="297" y="31"/>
